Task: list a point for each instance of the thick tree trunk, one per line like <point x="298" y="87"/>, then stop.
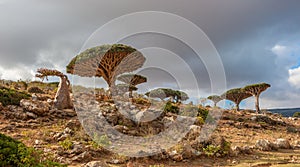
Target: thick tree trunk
<point x="257" y="104"/>
<point x="62" y="98"/>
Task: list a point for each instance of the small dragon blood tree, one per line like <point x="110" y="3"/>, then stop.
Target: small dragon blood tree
<point x="236" y="95"/>
<point x="62" y="98"/>
<point x="255" y="90"/>
<point x="215" y="99"/>
<point x="132" y="80"/>
<point x="107" y="61"/>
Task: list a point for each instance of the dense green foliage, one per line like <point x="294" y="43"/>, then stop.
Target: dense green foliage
<point x="12" y="97"/>
<point x="15" y="154"/>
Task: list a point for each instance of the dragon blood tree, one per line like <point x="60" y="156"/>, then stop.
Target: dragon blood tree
<point x="236" y="95"/>
<point x="255" y="90"/>
<point x="132" y="80"/>
<point x="215" y="99"/>
<point x="107" y="61"/>
<point x="62" y="98"/>
<point x="121" y="89"/>
<point x="163" y="93"/>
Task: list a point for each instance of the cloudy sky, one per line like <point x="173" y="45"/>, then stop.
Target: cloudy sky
<point x="257" y="41"/>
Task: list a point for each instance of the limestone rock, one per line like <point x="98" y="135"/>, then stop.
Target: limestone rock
<point x="263" y="145"/>
<point x="39" y="108"/>
<point x="283" y="144"/>
<point x="96" y="164"/>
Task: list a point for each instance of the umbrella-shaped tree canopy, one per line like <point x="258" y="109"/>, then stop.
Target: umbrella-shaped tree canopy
<point x="236" y="95"/>
<point x="163" y="93"/>
<point x="107" y="61"/>
<point x="256" y="90"/>
<point x="215" y="99"/>
<point x="132" y="79"/>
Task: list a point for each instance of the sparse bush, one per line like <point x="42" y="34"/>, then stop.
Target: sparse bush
<point x="203" y="112"/>
<point x="12" y="97"/>
<point x="296" y="114"/>
<point x="35" y="90"/>
<point x="170" y="107"/>
<point x="222" y="150"/>
<point x="15" y="153"/>
<point x="141" y="101"/>
<point x="67" y="144"/>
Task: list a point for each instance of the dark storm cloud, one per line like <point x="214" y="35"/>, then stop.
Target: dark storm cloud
<point x="35" y="34"/>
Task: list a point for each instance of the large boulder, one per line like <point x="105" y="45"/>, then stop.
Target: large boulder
<point x="282" y="144"/>
<point x="264" y="145"/>
<point x="39" y="108"/>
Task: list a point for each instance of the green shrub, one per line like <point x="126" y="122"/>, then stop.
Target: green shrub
<point x="12" y="97"/>
<point x="296" y="114"/>
<point x="170" y="107"/>
<point x="15" y="154"/>
<point x="211" y="150"/>
<point x="203" y="112"/>
<point x="67" y="144"/>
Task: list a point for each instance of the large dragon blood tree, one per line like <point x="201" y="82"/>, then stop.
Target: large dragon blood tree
<point x="236" y="95"/>
<point x="62" y="98"/>
<point x="132" y="80"/>
<point x="107" y="61"/>
<point x="255" y="90"/>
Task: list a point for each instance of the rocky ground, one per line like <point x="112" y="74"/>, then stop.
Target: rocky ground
<point x="240" y="138"/>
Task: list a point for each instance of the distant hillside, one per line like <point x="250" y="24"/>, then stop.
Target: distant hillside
<point x="286" y="112"/>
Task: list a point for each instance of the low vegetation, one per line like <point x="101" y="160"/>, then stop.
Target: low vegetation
<point x="12" y="97"/>
<point x="15" y="154"/>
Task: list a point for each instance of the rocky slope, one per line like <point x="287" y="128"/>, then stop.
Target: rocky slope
<point x="240" y="138"/>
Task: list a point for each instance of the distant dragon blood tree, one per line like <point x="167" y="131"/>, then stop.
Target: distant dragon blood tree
<point x="163" y="93"/>
<point x="215" y="99"/>
<point x="62" y="98"/>
<point x="132" y="80"/>
<point x="236" y="95"/>
<point x="107" y="61"/>
<point x="123" y="88"/>
<point x="255" y="90"/>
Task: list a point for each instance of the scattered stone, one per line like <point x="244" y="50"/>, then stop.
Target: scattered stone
<point x="31" y="115"/>
<point x="96" y="164"/>
<point x="83" y="157"/>
<point x="73" y="124"/>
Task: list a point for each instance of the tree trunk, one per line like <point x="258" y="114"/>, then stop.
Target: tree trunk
<point x="257" y="103"/>
<point x="130" y="94"/>
<point x="238" y="107"/>
<point x="62" y="98"/>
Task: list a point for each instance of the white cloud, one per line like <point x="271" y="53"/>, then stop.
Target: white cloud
<point x="294" y="77"/>
<point x="280" y="50"/>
